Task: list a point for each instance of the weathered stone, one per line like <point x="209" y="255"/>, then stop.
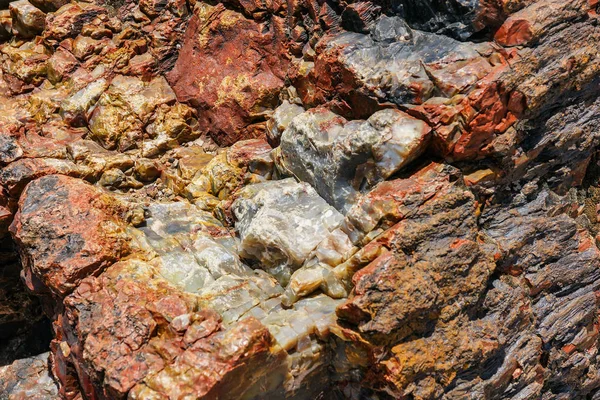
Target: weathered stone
<point x="74" y="108"/>
<point x="280" y="223"/>
<point x="233" y="97"/>
<point x="28" y="378"/>
<point x="28" y="20"/>
<point x="55" y="256"/>
<point x="280" y="120"/>
<point x="340" y="158"/>
<point x="458" y="141"/>
<point x="18" y="174"/>
<point x="69" y="19"/>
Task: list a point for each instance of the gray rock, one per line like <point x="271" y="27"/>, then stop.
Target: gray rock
<point x="340" y="158"/>
<point x="28" y="378"/>
<point x="281" y="119"/>
<point x="280" y="223"/>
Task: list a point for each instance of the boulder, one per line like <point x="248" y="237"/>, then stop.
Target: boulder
<point x="233" y="98"/>
<point x="340" y="158"/>
<point x="79" y="235"/>
<point x="280" y="223"/>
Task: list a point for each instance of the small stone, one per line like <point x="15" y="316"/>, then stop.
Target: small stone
<point x="281" y="223"/>
<point x="146" y="170"/>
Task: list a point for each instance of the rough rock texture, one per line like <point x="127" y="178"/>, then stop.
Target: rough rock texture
<point x="28" y="378"/>
<point x="241" y="199"/>
<point x="232" y="70"/>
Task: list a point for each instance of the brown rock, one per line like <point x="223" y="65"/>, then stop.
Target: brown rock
<point x="28" y="20"/>
<point x="69" y="19"/>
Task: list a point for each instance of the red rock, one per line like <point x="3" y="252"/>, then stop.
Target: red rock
<point x="231" y="69"/>
<point x="253" y="155"/>
<point x="514" y="32"/>
<point x="16" y="175"/>
<point x="66" y="230"/>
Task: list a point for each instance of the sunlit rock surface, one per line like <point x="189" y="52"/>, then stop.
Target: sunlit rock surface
<point x="339" y="157"/>
<point x="28" y="378"/>
<point x="299" y="199"/>
<point x="281" y="223"/>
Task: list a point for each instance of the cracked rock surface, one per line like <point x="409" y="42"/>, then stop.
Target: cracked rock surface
<point x="299" y="199"/>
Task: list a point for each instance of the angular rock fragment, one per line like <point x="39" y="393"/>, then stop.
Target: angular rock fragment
<point x="340" y="158"/>
<point x="280" y="120"/>
<point x="28" y="20"/>
<point x="280" y="223"/>
<point x="69" y="19"/>
<point x="28" y="378"/>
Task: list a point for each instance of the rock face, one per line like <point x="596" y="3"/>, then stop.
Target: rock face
<point x="299" y="199"/>
<point x="232" y="70"/>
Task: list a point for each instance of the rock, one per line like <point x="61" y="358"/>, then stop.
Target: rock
<point x="28" y="378"/>
<point x="69" y="19"/>
<point x="118" y="118"/>
<point x="60" y="64"/>
<point x="253" y="155"/>
<point x="49" y="5"/>
<point x="28" y="20"/>
<point x="280" y="120"/>
<point x="394" y="64"/>
<point x="25" y="66"/>
<point x="17" y="175"/>
<point x="419" y="269"/>
<point x="233" y="98"/>
<point x="340" y="158"/>
<point x="56" y="257"/>
<point x="357" y="199"/>
<point x="527" y="25"/>
<point x="146" y="170"/>
<point x="280" y="223"/>
<point x="74" y="109"/>
<point x="169" y="127"/>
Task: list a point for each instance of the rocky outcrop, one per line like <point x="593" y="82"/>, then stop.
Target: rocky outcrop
<point x="298" y="200"/>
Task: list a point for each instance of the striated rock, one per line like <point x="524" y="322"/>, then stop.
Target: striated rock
<point x="438" y="266"/>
